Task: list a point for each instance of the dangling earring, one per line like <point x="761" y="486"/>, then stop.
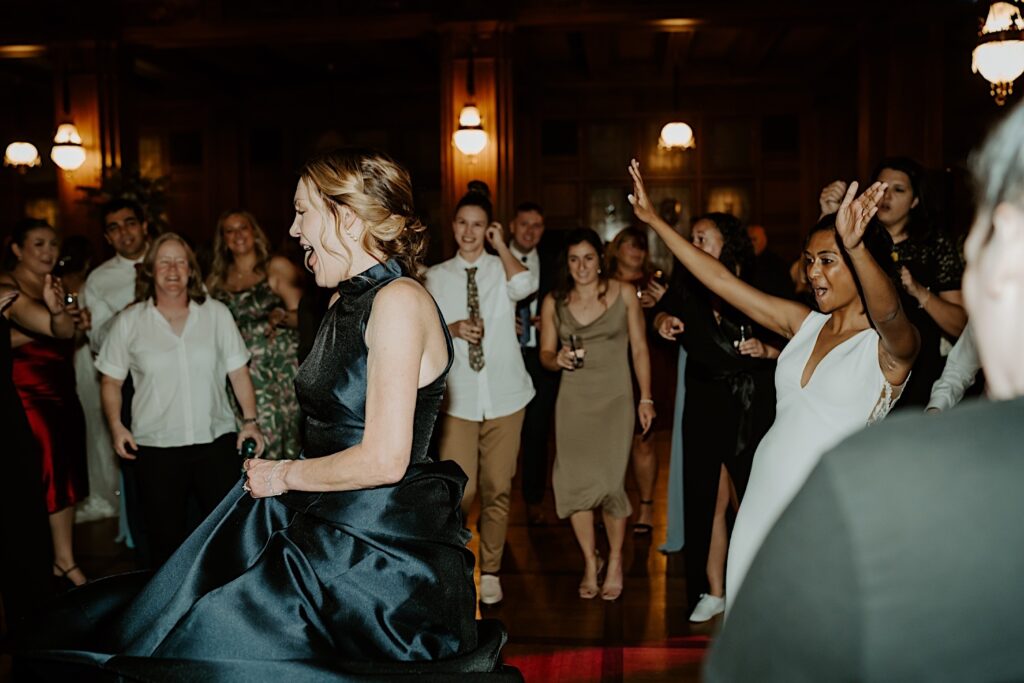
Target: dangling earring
<point x="349" y="233"/>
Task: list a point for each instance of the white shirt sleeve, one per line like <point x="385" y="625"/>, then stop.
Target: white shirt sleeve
<point x="522" y="285"/>
<point x="102" y="316"/>
<point x="962" y="366"/>
<point x="114" y="357"/>
<point x="229" y="339"/>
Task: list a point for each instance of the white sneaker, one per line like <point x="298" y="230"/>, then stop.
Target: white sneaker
<point x="708" y="607"/>
<point x="490" y="589"/>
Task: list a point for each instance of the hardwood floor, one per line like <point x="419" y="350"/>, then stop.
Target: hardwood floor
<point x="554" y="636"/>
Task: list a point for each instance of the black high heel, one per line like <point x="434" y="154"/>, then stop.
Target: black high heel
<point x="642" y="529"/>
<point x="63" y="579"/>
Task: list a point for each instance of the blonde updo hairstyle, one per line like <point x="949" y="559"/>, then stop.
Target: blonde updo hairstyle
<point x="379" y="191"/>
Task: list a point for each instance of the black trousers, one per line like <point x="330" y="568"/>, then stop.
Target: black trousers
<point x="169" y="479"/>
<point x="537" y="427"/>
<point x="711" y="424"/>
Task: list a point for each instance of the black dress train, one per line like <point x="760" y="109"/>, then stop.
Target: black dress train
<point x="279" y="586"/>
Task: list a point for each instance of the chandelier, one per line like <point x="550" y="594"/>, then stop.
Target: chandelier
<point x="999" y="56"/>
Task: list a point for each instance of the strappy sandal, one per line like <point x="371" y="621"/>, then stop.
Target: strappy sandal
<point x="641" y="528"/>
<point x="611" y="592"/>
<point x="588" y="592"/>
<point x="63" y="576"/>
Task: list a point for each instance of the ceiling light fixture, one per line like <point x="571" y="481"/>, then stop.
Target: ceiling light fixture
<point x="999" y="56"/>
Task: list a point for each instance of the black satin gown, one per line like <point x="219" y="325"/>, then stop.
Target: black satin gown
<point x="279" y="586"/>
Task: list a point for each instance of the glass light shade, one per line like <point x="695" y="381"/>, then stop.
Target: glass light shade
<point x="676" y="135"/>
<point x="21" y="155"/>
<point x="469" y="116"/>
<point x="1000" y="62"/>
<point x="470" y="141"/>
<point x="470" y="138"/>
<point x="67" y="151"/>
<point x="1002" y="16"/>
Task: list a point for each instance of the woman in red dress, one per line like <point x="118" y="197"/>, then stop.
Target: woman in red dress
<point x="45" y="379"/>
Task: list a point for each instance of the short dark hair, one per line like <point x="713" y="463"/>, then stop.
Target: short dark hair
<point x="526" y="207"/>
<point x="119" y="203"/>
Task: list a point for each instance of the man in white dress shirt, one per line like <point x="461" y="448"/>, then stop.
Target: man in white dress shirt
<point x="109" y="288"/>
<point x="111" y="285"/>
<point x="526" y="230"/>
<point x="488" y="386"/>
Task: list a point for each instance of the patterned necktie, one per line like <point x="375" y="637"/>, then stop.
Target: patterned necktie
<point x="476" y="351"/>
<point x="523" y="313"/>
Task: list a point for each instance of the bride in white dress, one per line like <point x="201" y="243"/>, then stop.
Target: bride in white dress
<point x="842" y="369"/>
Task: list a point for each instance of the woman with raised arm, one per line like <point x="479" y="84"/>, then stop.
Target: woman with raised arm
<point x="44" y="375"/>
<point x="352" y="557"/>
<point x="25" y="573"/>
<point x="842" y="369"/>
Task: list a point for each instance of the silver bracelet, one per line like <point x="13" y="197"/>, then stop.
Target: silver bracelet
<point x="648" y="401"/>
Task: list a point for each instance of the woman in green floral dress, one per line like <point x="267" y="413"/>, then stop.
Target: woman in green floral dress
<point x="263" y="293"/>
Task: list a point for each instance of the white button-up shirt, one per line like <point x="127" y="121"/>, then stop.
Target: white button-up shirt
<point x="962" y="366"/>
<point x="180" y="382"/>
<point x="503" y="386"/>
<point x="108" y="289"/>
<point x="532" y="263"/>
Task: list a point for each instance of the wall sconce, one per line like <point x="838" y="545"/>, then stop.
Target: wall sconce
<point x="676" y="134"/>
<point x="470" y="138"/>
<point x="22" y="156"/>
<point x="999" y="56"/>
<point x="67" y="151"/>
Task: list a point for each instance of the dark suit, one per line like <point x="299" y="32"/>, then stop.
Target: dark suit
<point x="537" y="421"/>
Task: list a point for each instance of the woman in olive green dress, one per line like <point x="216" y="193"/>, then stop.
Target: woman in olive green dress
<point x="263" y="293"/>
<point x="590" y="328"/>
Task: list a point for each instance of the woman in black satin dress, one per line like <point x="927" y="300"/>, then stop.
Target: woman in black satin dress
<point x="356" y="551"/>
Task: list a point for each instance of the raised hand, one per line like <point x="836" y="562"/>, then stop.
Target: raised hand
<point x="53" y="294"/>
<point x="639" y="200"/>
<point x="853" y="215"/>
<point x="832" y="196"/>
<point x="495" y="234"/>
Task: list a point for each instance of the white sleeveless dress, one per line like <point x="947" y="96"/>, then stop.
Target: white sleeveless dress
<point x="846" y="392"/>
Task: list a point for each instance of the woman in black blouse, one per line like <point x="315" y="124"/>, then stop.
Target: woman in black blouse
<point x="730" y="403"/>
<point x="925" y="265"/>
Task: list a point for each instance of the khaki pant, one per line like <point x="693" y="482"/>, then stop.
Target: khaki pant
<point x="486" y="451"/>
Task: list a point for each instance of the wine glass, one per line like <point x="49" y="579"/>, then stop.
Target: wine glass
<point x="578" y="352"/>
